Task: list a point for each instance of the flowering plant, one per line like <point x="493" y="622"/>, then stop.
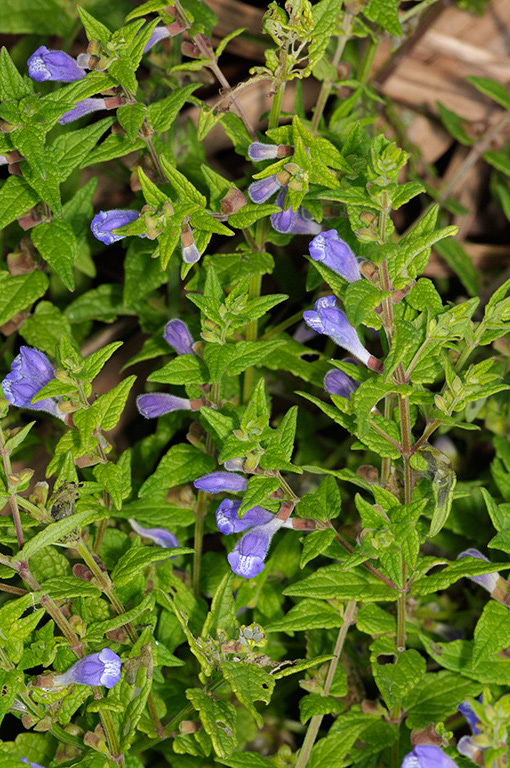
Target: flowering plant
<point x="203" y="495"/>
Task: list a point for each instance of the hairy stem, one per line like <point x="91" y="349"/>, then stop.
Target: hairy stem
<point x="13" y="499"/>
<point x="315" y="722"/>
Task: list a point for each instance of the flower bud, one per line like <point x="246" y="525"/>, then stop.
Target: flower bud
<point x="84" y="107"/>
<point x="156" y="404"/>
<point x="160" y="536"/>
<point x="177" y="335"/>
<point x="258" y="151"/>
<point x="218" y="482"/>
<point x="233" y="201"/>
<point x="261" y="190"/>
<point x="296" y="222"/>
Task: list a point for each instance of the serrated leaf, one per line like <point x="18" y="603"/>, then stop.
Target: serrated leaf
<point x="397" y="679"/>
<point x="184" y="188"/>
<point x="54" y="532"/>
<point x="184" y="369"/>
<point x="250" y="684"/>
<point x="492" y="632"/>
<point x="67" y="587"/>
<point x="332" y="582"/>
<point x="306" y="615"/>
<point x="163" y="113"/>
<point x="455" y="570"/>
<point x="56" y="242"/>
<point x="218" y="719"/>
<point x="12" y="84"/>
<point x="136" y="559"/>
<point x="16" y="199"/>
<point x="113" y="146"/>
<point x="95" y="362"/>
<point x="94" y="29"/>
<point x="360" y="299"/>
<point x="181" y="464"/>
<point x="315" y="543"/>
<point x="131" y="117"/>
<point x="257" y="492"/>
<point x="19" y="292"/>
<point x="70" y="149"/>
<point x="436" y="698"/>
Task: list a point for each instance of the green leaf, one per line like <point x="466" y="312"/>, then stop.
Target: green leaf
<point x="180" y="465"/>
<point x="315" y="543"/>
<point x="131" y="117"/>
<point x="113" y="146"/>
<point x="406" y="192"/>
<point x="56" y="242"/>
<point x="110" y="477"/>
<point x="184" y="188"/>
<point x="492" y="632"/>
<point x="137" y="558"/>
<point x="443" y="486"/>
<point x="93" y="28"/>
<point x="455" y="570"/>
<point x="12" y="84"/>
<point x="384" y="13"/>
<point x="257" y="492"/>
<point x="54" y="532"/>
<point x="103" y="303"/>
<point x="163" y="113"/>
<point x="397" y="679"/>
<point x="16" y="199"/>
<point x="306" y="615"/>
<point x="105" y="412"/>
<point x="184" y="369"/>
<point x="94" y="363"/>
<point x="500" y="516"/>
<point x="29" y="140"/>
<point x="325" y="16"/>
<point x="19" y="292"/>
<point x="458" y="259"/>
<point x="499" y="159"/>
<point x="360" y="299"/>
<point x="67" y="587"/>
<point x="315" y="704"/>
<point x="218" y="719"/>
<point x="436" y="698"/>
<point x="332" y="582"/>
<point x="491" y="88"/>
<point x="249" y="683"/>
<point x="223" y="614"/>
<point x="45" y="327"/>
<point x="454" y="124"/>
<point x="72" y="148"/>
<point x="251" y="213"/>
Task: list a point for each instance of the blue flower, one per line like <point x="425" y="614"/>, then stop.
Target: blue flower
<point x="427" y="756"/>
<point x="156" y="404"/>
<point x="331" y="250"/>
<point x="288" y="221"/>
<point x="32" y="765"/>
<point x="30" y="372"/>
<point x="488" y="581"/>
<point x="261" y="190"/>
<point x="217" y="482"/>
<point x="248" y="555"/>
<point x="160" y="33"/>
<point x="84" y="107"/>
<point x="159" y="536"/>
<point x="327" y="318"/>
<point x="105" y="222"/>
<point x="101" y="668"/>
<point x="258" y="151"/>
<point x="336" y="382"/>
<point x="44" y="64"/>
<point x="177" y="335"/>
<point x="467" y="710"/>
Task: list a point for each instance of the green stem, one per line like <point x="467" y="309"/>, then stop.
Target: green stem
<point x="368" y="60"/>
<point x="370" y="568"/>
<point x="112" y="738"/>
<point x="315" y="722"/>
<point x="276" y="106"/>
<point x="387" y="437"/>
<point x="427" y="433"/>
<point x="327" y="84"/>
<point x="416" y="10"/>
<point x="203" y="504"/>
<point x="13" y="499"/>
<point x="251" y="334"/>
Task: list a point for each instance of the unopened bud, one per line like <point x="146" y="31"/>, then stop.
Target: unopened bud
<point x="94" y="48"/>
<point x="20" y="262"/>
<point x="368" y="218"/>
<point x="190" y="49"/>
<point x="44" y="725"/>
<point x="233" y="201"/>
<point x="30" y="219"/>
<point x="283" y="177"/>
<point x="189" y="726"/>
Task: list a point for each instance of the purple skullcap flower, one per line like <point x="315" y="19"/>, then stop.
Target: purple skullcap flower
<point x="30" y="372"/>
<point x="177" y="335"/>
<point x="190" y="254"/>
<point x="336" y="382"/>
<point x="32" y="765"/>
<point x="228" y="521"/>
<point x="160" y="33"/>
<point x="467" y="710"/>
<point x="247" y="557"/>
<point x="334" y="252"/>
<point x="159" y="536"/>
<point x="488" y="581"/>
<point x="158" y="403"/>
<point x="84" y="107"/>
<point x="217" y="482"/>
<point x="258" y="151"/>
<point x="97" y="669"/>
<point x="288" y="221"/>
<point x="427" y="756"/>
<point x="327" y="318"/>
<point x="263" y="189"/>
<point x="44" y="64"/>
<point x="104" y="222"/>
